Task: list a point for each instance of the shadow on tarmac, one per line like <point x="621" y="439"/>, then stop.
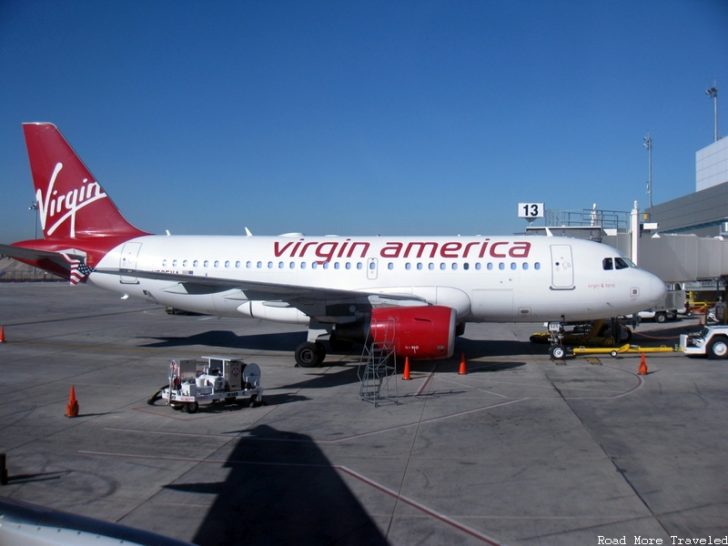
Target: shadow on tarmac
<point x="282" y="341"/>
<point x="281" y="489"/>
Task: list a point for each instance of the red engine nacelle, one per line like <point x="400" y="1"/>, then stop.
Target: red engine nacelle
<point x="418" y="332"/>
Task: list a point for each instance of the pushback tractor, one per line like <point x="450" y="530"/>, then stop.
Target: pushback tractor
<point x="711" y="341"/>
<point x="212" y="380"/>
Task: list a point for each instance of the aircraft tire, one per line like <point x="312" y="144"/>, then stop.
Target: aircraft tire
<point x="310" y="355"/>
<point x="557" y="352"/>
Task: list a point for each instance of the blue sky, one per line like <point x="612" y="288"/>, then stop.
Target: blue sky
<point x="355" y="118"/>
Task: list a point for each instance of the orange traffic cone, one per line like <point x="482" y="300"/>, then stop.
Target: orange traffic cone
<point x="406" y="373"/>
<point x="463" y="369"/>
<point x="643" y="365"/>
<point x="2" y="334"/>
<point x="72" y="406"/>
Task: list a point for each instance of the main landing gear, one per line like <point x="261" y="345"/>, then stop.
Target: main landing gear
<point x="310" y="354"/>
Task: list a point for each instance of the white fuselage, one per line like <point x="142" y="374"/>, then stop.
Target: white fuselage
<point x="482" y="278"/>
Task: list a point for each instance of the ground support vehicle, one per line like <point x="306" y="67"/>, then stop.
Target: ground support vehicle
<point x="711" y="341"/>
<point x="212" y="380"/>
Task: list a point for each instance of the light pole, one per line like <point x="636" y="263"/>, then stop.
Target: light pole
<point x="712" y="92"/>
<point x="647" y="143"/>
<point x="34" y="208"/>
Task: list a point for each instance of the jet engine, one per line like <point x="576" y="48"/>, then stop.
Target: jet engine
<point x="417" y="332"/>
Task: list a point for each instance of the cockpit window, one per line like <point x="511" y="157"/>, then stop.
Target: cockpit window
<point x="607" y="264"/>
<point x="621" y="263"/>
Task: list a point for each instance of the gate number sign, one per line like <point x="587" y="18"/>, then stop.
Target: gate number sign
<point x="530" y="210"/>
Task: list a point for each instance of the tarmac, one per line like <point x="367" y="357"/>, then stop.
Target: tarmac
<point x="520" y="451"/>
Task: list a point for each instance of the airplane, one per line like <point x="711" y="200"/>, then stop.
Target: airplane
<point x="415" y="293"/>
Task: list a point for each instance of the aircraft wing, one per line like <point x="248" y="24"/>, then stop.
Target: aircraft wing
<point x="323" y="304"/>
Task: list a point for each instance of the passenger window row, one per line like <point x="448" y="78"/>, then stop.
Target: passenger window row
<point x="408" y="266"/>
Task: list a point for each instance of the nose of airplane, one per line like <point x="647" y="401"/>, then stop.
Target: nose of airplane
<point x="653" y="289"/>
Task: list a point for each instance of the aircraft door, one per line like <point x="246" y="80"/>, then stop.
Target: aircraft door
<point x="128" y="261"/>
<point x="562" y="268"/>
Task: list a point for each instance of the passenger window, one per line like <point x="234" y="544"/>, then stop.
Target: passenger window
<point x="501" y="266"/>
<point x="514" y="265"/>
<point x="607" y="264"/>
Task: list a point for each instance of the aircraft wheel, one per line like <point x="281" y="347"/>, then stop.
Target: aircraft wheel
<point x="309" y="355"/>
<point x="558" y="352"/>
<point x="718" y="348"/>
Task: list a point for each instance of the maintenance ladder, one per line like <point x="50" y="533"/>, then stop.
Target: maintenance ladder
<point x="378" y="364"/>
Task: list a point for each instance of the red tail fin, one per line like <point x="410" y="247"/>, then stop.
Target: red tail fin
<point x="71" y="203"/>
